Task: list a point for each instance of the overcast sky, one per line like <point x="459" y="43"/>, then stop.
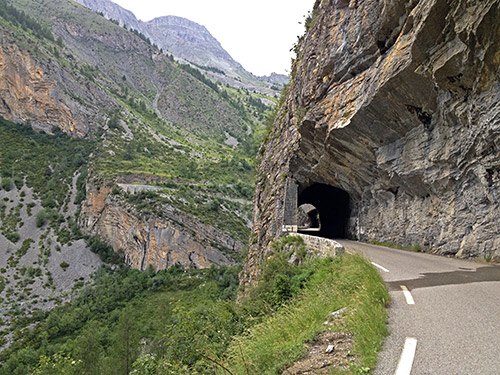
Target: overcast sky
<point x="257" y="33"/>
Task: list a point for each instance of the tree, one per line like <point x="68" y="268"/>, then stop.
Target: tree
<point x="88" y="349"/>
<point x="125" y="349"/>
<point x="151" y="365"/>
<point x="6" y="183"/>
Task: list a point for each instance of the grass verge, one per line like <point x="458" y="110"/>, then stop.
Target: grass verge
<point x="414" y="248"/>
<point x="280" y="340"/>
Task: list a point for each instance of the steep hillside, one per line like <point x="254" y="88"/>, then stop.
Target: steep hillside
<point x="189" y="41"/>
<point x="43" y="257"/>
<point x="184" y="142"/>
<point x="389" y="128"/>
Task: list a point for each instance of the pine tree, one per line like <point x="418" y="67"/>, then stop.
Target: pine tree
<point x="125" y="349"/>
<point x="88" y="349"/>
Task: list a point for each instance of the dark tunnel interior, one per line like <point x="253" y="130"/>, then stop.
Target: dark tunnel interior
<point x="333" y="205"/>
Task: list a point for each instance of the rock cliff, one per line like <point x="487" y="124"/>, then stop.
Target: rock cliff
<point x="146" y="240"/>
<point x="27" y="95"/>
<point x="390" y="128"/>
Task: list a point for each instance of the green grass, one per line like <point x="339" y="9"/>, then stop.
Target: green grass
<point x="279" y="340"/>
<point x="415" y="248"/>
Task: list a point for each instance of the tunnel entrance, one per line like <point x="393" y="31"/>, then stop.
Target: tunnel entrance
<point x="330" y="213"/>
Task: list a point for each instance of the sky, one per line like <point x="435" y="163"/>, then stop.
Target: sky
<point x="257" y="33"/>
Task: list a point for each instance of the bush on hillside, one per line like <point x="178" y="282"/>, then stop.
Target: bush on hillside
<point x="6" y="183"/>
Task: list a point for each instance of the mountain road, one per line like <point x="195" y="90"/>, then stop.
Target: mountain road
<point x="444" y="314"/>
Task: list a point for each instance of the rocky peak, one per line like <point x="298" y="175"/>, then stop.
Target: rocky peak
<point x="188" y="41"/>
<point x="191" y="41"/>
<point x="113" y="11"/>
<point x="276" y="78"/>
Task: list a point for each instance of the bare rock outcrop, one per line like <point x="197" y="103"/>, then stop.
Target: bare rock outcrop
<point x="148" y="240"/>
<point x="394" y="106"/>
<point x="26" y="95"/>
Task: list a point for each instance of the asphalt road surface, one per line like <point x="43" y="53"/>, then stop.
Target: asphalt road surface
<point x="453" y="325"/>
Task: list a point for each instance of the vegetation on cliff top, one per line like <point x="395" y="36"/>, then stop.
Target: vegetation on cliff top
<point x="46" y="163"/>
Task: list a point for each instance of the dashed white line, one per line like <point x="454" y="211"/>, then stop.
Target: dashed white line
<point x="407" y="356"/>
<point x="408" y="296"/>
<point x="379" y="266"/>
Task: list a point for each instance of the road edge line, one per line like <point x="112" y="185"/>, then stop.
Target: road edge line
<point x="407" y="356"/>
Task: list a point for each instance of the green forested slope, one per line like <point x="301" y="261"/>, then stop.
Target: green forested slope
<point x="152" y="115"/>
<point x="177" y="322"/>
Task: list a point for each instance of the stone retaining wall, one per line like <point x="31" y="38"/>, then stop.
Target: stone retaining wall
<point x="323" y="246"/>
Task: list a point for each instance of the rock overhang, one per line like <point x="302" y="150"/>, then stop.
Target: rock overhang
<point x="394" y="103"/>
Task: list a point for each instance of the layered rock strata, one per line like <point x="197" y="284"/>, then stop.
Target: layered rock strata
<point x="395" y="103"/>
<point x="26" y="95"/>
<point x="146" y="240"/>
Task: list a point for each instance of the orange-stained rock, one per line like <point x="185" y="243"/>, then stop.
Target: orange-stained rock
<point x="159" y="242"/>
<point x="27" y="96"/>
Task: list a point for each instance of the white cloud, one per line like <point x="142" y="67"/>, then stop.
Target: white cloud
<point x="258" y="34"/>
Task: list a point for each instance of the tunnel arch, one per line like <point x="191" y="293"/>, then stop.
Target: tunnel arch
<point x="333" y="206"/>
<point x="308" y="217"/>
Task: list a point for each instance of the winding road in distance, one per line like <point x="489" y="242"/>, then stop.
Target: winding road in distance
<point x="444" y="317"/>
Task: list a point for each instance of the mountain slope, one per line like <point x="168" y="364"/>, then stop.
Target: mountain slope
<point x="146" y="161"/>
<point x="192" y="42"/>
<point x="186" y="140"/>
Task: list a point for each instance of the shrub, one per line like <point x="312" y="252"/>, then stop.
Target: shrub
<point x="6" y="183"/>
<point x="13" y="237"/>
<point x="279" y="280"/>
<point x="105" y="251"/>
<point x="44" y="215"/>
<point x="64" y="265"/>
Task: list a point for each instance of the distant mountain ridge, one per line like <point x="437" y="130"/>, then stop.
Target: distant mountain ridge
<point x="113" y="11"/>
<point x="192" y="42"/>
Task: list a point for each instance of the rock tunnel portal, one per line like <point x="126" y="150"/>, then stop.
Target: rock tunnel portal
<point x="332" y="207"/>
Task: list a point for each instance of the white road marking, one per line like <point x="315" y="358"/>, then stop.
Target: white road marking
<point x="407" y="356"/>
<point x="408" y="296"/>
<point x="379" y="266"/>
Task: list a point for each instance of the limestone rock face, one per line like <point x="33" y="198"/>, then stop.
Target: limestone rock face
<point x="192" y="42"/>
<point x="175" y="238"/>
<point x="397" y="104"/>
<point x="27" y="95"/>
